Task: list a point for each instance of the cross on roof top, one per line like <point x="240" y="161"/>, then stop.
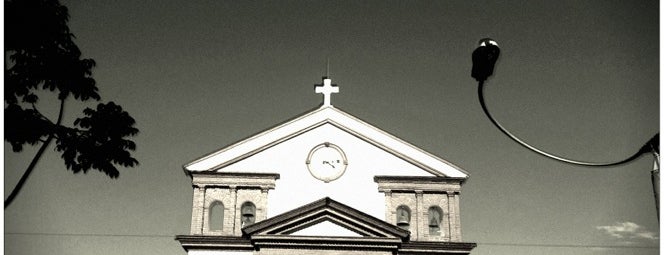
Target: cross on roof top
<point x="327" y="88"/>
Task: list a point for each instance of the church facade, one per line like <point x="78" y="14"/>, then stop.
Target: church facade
<point x="324" y="182"/>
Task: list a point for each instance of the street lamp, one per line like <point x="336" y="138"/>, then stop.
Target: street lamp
<point x="484" y="60"/>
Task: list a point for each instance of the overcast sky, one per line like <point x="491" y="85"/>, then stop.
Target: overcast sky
<point x="575" y="78"/>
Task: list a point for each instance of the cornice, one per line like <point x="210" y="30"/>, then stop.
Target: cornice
<point x="189" y="242"/>
<point x="457" y="248"/>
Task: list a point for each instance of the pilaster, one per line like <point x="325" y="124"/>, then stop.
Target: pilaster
<point x="457" y="219"/>
<point x="453" y="207"/>
<point x="419" y="216"/>
<point x="232" y="225"/>
<point x="197" y="210"/>
<point x="388" y="205"/>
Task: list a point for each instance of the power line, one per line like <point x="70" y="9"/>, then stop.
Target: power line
<point x="479" y="243"/>
<point x="90" y="234"/>
<point x="571" y="245"/>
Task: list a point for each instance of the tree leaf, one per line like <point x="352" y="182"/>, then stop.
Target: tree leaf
<point x="102" y="144"/>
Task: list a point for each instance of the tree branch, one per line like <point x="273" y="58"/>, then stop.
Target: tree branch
<point x="35" y="159"/>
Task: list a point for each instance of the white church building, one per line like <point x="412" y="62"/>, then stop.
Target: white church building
<point x="324" y="182"/>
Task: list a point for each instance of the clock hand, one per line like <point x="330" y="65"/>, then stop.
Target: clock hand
<point x="328" y="162"/>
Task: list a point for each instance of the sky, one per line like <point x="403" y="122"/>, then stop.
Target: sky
<point x="578" y="79"/>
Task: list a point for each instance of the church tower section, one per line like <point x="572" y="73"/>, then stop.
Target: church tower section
<point x="428" y="207"/>
<point x="223" y="203"/>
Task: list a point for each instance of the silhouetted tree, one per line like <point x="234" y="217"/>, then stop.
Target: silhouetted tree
<point x="40" y="55"/>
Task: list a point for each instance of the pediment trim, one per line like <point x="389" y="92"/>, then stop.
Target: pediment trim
<point x="326" y="209"/>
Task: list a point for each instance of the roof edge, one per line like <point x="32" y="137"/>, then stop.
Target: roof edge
<point x="292" y="216"/>
<point x="367" y="132"/>
<point x="252" y="136"/>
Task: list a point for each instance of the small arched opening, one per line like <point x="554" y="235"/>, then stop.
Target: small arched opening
<point x="403" y="217"/>
<point x="248" y="213"/>
<point x="216" y="216"/>
<point x="435" y="216"/>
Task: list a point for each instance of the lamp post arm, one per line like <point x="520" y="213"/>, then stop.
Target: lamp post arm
<point x="648" y="147"/>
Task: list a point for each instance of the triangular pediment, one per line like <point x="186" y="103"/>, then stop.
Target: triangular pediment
<point x="326" y="218"/>
<point x="331" y="118"/>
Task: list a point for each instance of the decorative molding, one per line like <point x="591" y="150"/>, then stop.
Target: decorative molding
<point x="419" y="184"/>
<point x="325" y="243"/>
<point x="436" y="248"/>
<point x="190" y="242"/>
<point x="235" y="180"/>
<point x="420" y="179"/>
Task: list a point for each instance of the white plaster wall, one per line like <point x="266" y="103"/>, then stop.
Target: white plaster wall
<point x="325" y="228"/>
<point x="297" y="187"/>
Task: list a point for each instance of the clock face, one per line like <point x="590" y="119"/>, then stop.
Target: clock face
<point x="327" y="162"/>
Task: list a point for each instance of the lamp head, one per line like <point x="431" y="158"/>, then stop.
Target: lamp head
<point x="487" y="42"/>
<point x="484" y="59"/>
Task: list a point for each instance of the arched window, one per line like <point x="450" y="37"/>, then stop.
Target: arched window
<point x="435" y="218"/>
<point x="403" y="217"/>
<point x="248" y="211"/>
<point x="216" y="216"/>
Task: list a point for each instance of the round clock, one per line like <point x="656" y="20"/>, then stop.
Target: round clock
<point x="327" y="162"/>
